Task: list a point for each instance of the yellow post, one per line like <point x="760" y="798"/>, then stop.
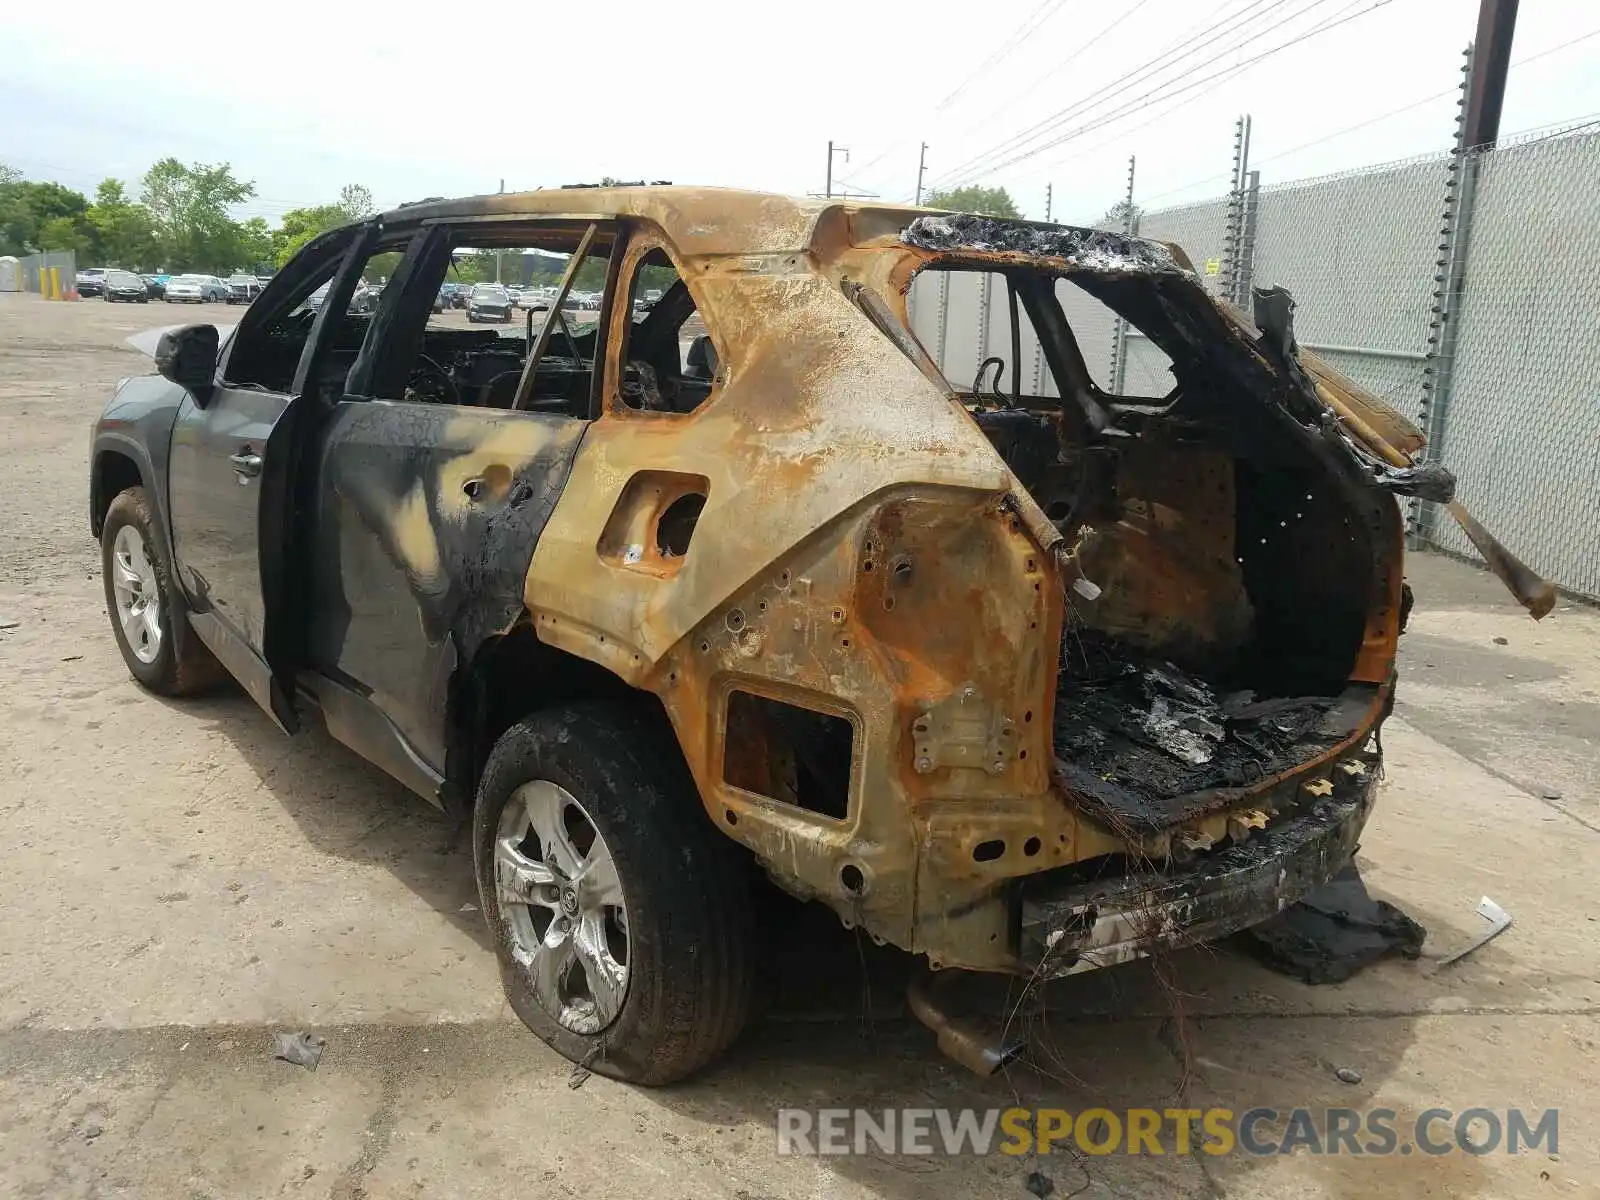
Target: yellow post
<point x="55" y="283"/>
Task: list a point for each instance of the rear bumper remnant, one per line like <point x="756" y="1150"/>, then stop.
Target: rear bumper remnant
<point x="1085" y="926"/>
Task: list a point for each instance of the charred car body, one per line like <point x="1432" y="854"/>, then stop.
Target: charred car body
<point x="1020" y="682"/>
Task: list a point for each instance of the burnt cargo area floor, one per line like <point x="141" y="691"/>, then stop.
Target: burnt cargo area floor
<point x="1144" y="744"/>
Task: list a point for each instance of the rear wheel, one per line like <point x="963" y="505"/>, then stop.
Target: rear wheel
<point x="621" y="917"/>
<point x="143" y="604"/>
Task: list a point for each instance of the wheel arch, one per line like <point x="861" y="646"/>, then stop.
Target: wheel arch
<point x="115" y="470"/>
<point x="515" y="674"/>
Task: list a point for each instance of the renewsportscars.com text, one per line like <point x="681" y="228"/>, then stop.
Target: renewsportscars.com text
<point x="1217" y="1131"/>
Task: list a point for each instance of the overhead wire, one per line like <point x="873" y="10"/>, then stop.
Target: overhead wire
<point x="1141" y="102"/>
<point x="1028" y="25"/>
<point x="1230" y="26"/>
<point x="1056" y="68"/>
<point x="1359" y="125"/>
<point x="1161" y="79"/>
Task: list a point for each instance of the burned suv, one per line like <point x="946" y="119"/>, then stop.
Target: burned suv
<point x="1014" y="672"/>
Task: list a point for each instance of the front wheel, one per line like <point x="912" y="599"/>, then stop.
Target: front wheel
<point x="621" y="917"/>
<point x="142" y="600"/>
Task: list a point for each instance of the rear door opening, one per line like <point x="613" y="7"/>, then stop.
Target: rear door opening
<point x="1231" y="575"/>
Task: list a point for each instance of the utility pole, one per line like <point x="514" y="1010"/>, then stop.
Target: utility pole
<point x="497" y="252"/>
<point x="922" y="166"/>
<point x="1049" y="190"/>
<point x="1491" y="60"/>
<point x="827" y="191"/>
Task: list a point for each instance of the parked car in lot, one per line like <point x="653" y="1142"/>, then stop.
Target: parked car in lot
<point x="196" y="289"/>
<point x="1029" y="682"/>
<point x="243" y="288"/>
<point x="124" y="286"/>
<point x="155" y="286"/>
<point x="91" y="281"/>
<point x="362" y="300"/>
<point x="488" y="302"/>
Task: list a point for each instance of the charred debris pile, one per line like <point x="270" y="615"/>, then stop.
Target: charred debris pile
<point x="1141" y="737"/>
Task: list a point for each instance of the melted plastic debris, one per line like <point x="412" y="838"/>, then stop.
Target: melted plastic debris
<point x="1180" y="717"/>
<point x="1334" y="932"/>
<point x="1134" y="736"/>
<point x="1084" y="249"/>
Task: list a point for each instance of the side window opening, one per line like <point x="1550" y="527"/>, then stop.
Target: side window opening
<point x="272" y="336"/>
<point x="496" y="305"/>
<point x="968" y="318"/>
<point x="668" y="361"/>
<point x="1122" y="361"/>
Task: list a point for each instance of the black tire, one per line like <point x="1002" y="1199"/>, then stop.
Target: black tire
<point x="183" y="666"/>
<point x="686" y="887"/>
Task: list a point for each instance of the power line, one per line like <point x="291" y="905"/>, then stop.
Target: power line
<point x="1055" y="68"/>
<point x="1018" y="148"/>
<point x="1030" y="24"/>
<point x="1161" y="63"/>
<point x="1146" y="100"/>
<point x="1154" y="117"/>
<point x="1393" y="112"/>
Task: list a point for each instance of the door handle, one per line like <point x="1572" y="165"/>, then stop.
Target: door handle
<point x="246" y="462"/>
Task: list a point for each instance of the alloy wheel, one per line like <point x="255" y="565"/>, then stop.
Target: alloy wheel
<point x="138" y="595"/>
<point x="562" y="904"/>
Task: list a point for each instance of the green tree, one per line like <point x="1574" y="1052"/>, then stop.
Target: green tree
<point x="1122" y="215"/>
<point x="26" y="206"/>
<point x="255" y="245"/>
<point x="68" y="233"/>
<point x="355" y="201"/>
<point x="988" y="202"/>
<point x="125" y="230"/>
<point x="190" y="208"/>
<point x="300" y="225"/>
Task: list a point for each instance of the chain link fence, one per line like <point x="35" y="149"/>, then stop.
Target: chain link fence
<point x="1503" y="372"/>
<point x="1200" y="229"/>
<point x="1356" y="252"/>
<point x="1462" y="290"/>
<point x="1521" y="424"/>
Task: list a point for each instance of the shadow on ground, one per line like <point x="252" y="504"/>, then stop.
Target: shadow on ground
<point x="349" y="809"/>
<point x="836" y="1033"/>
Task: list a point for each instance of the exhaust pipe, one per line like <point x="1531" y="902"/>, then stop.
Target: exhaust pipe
<point x="960" y="1040"/>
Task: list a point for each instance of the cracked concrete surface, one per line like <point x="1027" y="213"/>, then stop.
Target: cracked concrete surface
<point x="181" y="881"/>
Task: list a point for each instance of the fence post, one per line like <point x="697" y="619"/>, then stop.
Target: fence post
<point x="985" y="281"/>
<point x="1119" y="328"/>
<point x="944" y="313"/>
<point x="1247" y="241"/>
<point x="1449" y="279"/>
<point x="1233" y="231"/>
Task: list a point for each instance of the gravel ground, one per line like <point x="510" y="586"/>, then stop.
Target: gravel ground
<point x="181" y="881"/>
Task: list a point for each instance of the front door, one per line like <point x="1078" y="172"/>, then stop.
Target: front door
<point x="215" y="477"/>
<point x="231" y="470"/>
